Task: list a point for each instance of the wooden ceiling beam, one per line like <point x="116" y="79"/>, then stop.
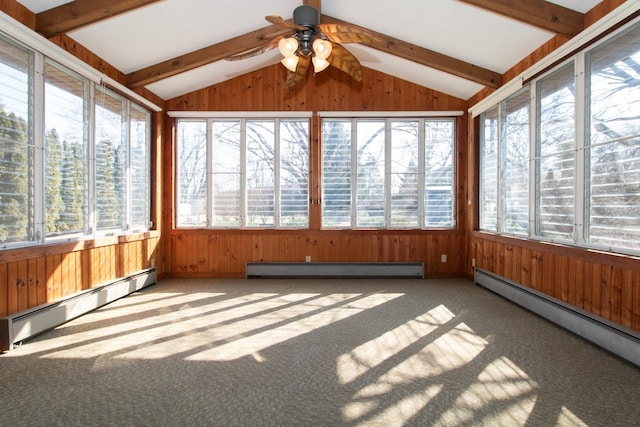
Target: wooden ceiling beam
<point x="427" y="57"/>
<point x="539" y="13"/>
<point x="313" y="3"/>
<point x="79" y="13"/>
<point x="204" y="56"/>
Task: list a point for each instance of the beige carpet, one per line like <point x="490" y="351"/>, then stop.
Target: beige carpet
<point x="314" y="353"/>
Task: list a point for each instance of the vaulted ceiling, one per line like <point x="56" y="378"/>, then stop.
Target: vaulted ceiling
<point x="173" y="47"/>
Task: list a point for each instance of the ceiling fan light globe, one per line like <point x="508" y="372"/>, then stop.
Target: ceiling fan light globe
<point x="290" y="62"/>
<point x="288" y="46"/>
<point x="319" y="64"/>
<point x="322" y="48"/>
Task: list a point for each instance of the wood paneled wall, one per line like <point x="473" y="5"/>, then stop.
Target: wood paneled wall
<point x="602" y="283"/>
<point x="34" y="276"/>
<point x="37" y="275"/>
<point x="224" y="253"/>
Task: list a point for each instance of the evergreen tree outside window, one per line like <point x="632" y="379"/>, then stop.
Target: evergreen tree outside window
<point x="65" y="151"/>
<point x="111" y="161"/>
<point x="55" y="185"/>
<point x="16" y="146"/>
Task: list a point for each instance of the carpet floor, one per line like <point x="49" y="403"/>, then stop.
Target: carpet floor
<point x="236" y="352"/>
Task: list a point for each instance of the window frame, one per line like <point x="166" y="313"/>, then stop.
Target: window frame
<point x="389" y="118"/>
<point x="209" y="118"/>
<point x="582" y="132"/>
<point x="37" y="216"/>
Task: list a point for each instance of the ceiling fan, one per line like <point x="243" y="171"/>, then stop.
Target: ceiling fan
<point x="312" y="43"/>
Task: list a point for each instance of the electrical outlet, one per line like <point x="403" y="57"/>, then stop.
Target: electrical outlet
<point x="443" y="258"/>
<point x="308" y="258"/>
<point x="473" y="262"/>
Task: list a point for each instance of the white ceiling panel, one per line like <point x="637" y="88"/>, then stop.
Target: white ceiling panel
<point x="170" y="28"/>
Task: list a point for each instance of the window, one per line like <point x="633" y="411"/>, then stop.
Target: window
<point x="489" y="171"/>
<point x="70" y="163"/>
<point x="140" y="169"/>
<point x="388" y="173"/>
<point x="65" y="145"/>
<point x="111" y="161"/>
<point x="514" y="164"/>
<point x="586" y="151"/>
<point x="16" y="145"/>
<point x="555" y="157"/>
<point x="613" y="142"/>
<point x="504" y="184"/>
<point x="242" y="173"/>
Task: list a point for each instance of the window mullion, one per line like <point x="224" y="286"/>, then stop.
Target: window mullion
<point x="91" y="164"/>
<point x="582" y="122"/>
<point x="354" y="173"/>
<point x="499" y="167"/>
<point x="276" y="184"/>
<point x="534" y="183"/>
<point x="421" y="172"/>
<point x="37" y="142"/>
<point x="210" y="177"/>
<point x="128" y="174"/>
<point x="243" y="173"/>
<point x="387" y="173"/>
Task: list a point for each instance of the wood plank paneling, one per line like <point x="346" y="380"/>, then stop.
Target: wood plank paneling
<point x="607" y="289"/>
<point x="31" y="281"/>
<point x="208" y="253"/>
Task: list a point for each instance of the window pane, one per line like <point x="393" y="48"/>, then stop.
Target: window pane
<point x="16" y="152"/>
<point x="260" y="173"/>
<point x="489" y="170"/>
<point x="336" y="173"/>
<point x="371" y="172"/>
<point x="111" y="161"/>
<point x="191" y="153"/>
<point x="140" y="169"/>
<point x="226" y="173"/>
<point x="614" y="152"/>
<point x="556" y="162"/>
<point x="439" y="173"/>
<point x="294" y="173"/>
<point x="514" y="163"/>
<point x="65" y="152"/>
<point x="404" y="174"/>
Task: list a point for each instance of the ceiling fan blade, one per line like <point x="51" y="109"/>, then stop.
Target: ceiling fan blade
<point x="271" y="44"/>
<point x="280" y="21"/>
<point x="344" y="60"/>
<point x="295" y="79"/>
<point x="338" y="33"/>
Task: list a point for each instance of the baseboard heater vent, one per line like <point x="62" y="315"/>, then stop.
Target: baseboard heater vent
<point x="336" y="269"/>
<point x="615" y="338"/>
<point x="28" y="323"/>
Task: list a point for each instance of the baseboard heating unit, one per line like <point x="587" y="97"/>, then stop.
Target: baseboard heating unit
<point x="615" y="338"/>
<point x="25" y="324"/>
<point x="335" y="269"/>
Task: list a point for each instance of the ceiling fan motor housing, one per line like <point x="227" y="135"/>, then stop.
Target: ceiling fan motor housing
<point x="306" y="16"/>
